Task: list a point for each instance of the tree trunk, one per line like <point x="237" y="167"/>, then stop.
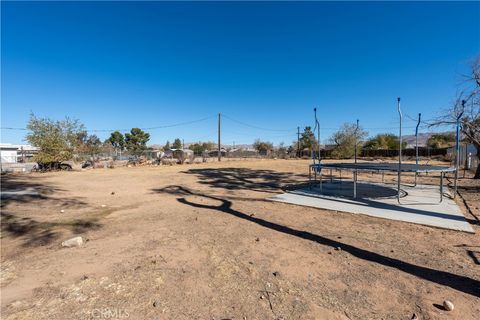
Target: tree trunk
<point x="477" y="173"/>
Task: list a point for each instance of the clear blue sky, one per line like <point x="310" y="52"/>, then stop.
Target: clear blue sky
<point x="122" y="65"/>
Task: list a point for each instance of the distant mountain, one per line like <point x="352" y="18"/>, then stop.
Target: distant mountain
<point x="422" y="138"/>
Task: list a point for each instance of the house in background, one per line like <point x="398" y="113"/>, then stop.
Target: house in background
<point x="17" y="153"/>
<point x="8" y="153"/>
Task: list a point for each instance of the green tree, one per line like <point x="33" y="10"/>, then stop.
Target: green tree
<point x="384" y="141"/>
<point x="177" y="144"/>
<point x="93" y="145"/>
<point x="200" y="147"/>
<point x="57" y="140"/>
<point x="346" y="138"/>
<point x="441" y="140"/>
<point x="166" y="146"/>
<point x="263" y="147"/>
<point x="136" y="141"/>
<point x="307" y="139"/>
<point x="117" y="141"/>
<point x="89" y="144"/>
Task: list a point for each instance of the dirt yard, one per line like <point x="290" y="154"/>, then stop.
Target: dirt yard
<point x="201" y="242"/>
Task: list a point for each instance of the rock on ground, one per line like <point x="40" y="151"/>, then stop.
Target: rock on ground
<point x="73" y="242"/>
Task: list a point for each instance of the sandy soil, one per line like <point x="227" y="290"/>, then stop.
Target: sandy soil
<point x="201" y="242"/>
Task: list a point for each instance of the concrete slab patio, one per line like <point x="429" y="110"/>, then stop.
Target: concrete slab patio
<point x="419" y="204"/>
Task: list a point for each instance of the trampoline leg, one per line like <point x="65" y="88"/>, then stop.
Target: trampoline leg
<point x="310" y="178"/>
<point x="455" y="184"/>
<point x="383" y="177"/>
<point x="355" y="184"/>
<point x="331" y="176"/>
<point x="441" y="187"/>
<point x="320" y="176"/>
<point x="398" y="189"/>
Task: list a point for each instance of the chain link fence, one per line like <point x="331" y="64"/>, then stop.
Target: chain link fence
<point x="111" y="158"/>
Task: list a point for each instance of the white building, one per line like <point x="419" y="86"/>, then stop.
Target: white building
<point x="14" y="153"/>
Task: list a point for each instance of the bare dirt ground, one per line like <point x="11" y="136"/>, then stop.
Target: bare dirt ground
<point x="201" y="242"/>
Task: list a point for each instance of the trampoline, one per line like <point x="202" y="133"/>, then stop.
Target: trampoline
<point x="399" y="167"/>
<point x="316" y="171"/>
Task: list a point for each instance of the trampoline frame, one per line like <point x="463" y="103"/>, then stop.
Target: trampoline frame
<point x="316" y="169"/>
<point x="391" y="167"/>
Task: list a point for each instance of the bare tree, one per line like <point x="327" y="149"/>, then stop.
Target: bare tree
<point x="346" y="139"/>
<point x="466" y="106"/>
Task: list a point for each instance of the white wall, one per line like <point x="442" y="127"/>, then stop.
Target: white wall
<point x="8" y="156"/>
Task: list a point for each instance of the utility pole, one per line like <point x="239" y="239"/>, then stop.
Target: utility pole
<point x="298" y="142"/>
<point x="183" y="144"/>
<point x="219" y="151"/>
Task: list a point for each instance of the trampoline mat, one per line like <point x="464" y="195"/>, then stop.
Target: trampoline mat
<point x="375" y="166"/>
<point x="344" y="189"/>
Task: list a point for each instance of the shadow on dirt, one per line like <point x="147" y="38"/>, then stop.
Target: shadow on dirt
<point x="22" y="188"/>
<point x="42" y="233"/>
<point x="458" y="282"/>
<point x="245" y="179"/>
<point x="18" y="189"/>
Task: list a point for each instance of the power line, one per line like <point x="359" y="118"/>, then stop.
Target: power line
<point x="156" y="127"/>
<point x="367" y="128"/>
<point x="256" y="135"/>
<point x="9" y="128"/>
<point x="143" y="128"/>
<point x="253" y="126"/>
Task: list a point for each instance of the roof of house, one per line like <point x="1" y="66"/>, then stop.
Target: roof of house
<point x="26" y="147"/>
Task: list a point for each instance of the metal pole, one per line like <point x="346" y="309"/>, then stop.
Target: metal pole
<point x="457" y="148"/>
<point x="320" y="175"/>
<point x="318" y="136"/>
<point x="298" y="142"/>
<point x="317" y="126"/>
<point x="441" y="186"/>
<point x="219" y="149"/>
<point x="416" y="147"/>
<point x="399" y="151"/>
<point x="310" y="177"/>
<point x="356" y="141"/>
<point x="312" y="153"/>
<point x="354" y="184"/>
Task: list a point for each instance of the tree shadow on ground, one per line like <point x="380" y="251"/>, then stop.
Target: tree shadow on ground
<point x="21" y="189"/>
<point x="457" y="282"/>
<point x="25" y="189"/>
<point x="470" y="189"/>
<point x="245" y="179"/>
<point x="43" y="233"/>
